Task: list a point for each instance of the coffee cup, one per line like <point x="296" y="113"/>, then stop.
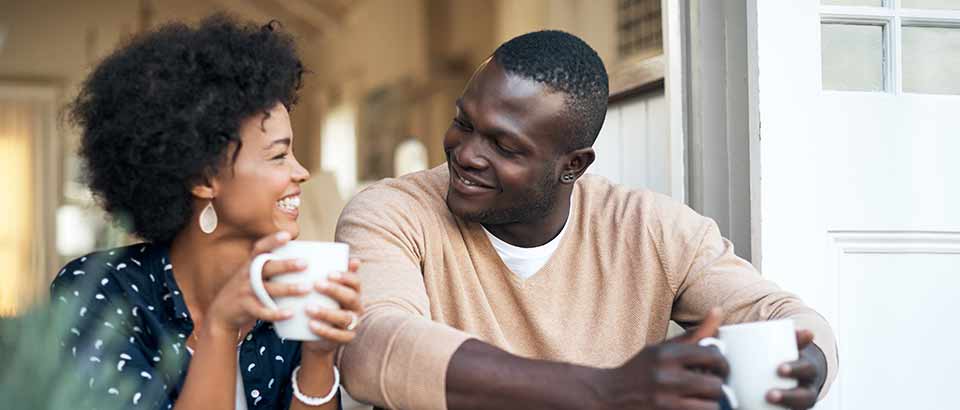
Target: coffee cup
<point x="754" y="352"/>
<point x="322" y="258"/>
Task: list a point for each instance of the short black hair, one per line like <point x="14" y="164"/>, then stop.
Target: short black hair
<point x="567" y="64"/>
<point x="158" y="114"/>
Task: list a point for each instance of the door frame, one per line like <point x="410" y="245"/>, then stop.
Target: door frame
<point x="719" y="75"/>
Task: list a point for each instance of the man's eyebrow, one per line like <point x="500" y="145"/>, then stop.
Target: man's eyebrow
<point x="492" y="132"/>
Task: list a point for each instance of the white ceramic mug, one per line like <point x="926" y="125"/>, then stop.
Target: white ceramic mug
<point x="755" y="351"/>
<point x="322" y="258"/>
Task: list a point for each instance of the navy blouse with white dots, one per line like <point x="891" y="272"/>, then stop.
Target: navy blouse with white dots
<point x="130" y="326"/>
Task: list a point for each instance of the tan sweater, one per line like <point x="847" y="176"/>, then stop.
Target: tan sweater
<point x="629" y="262"/>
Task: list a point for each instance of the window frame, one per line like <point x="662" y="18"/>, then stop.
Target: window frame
<point x="892" y="17"/>
<point x="631" y="76"/>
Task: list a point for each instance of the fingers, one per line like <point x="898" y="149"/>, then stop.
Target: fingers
<point x="692" y="384"/>
<point x="352" y="282"/>
<point x="347" y="297"/>
<point x="802" y="370"/>
<point x="354" y="265"/>
<point x="685" y="403"/>
<point x="279" y="289"/>
<point x="282" y="266"/>
<point x="799" y="398"/>
<point x="348" y="279"/>
<point x="331" y="333"/>
<point x="257" y="310"/>
<point x="707" y="359"/>
<point x="336" y="317"/>
<point x="708" y="327"/>
<point x="804" y="338"/>
<point x="271" y="242"/>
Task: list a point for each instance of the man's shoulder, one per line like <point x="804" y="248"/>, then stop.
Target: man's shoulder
<point x="420" y="193"/>
<point x="423" y="188"/>
<point x="605" y="194"/>
<point x="604" y="197"/>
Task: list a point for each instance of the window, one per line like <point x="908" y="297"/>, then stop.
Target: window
<point x="410" y="156"/>
<point x="338" y="148"/>
<point x="28" y="147"/>
<point x="639" y="62"/>
<point x="638" y="28"/>
<point x="896" y="46"/>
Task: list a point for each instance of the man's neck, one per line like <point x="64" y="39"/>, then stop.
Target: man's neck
<point x="202" y="265"/>
<point x="530" y="234"/>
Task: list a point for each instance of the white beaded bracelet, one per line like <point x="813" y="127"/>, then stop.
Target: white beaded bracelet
<point x="315" y="401"/>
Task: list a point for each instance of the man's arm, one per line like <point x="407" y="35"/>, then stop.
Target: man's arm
<point x="399" y="357"/>
<point x="481" y="376"/>
<point x="705" y="273"/>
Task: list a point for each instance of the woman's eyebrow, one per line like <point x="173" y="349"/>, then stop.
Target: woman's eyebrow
<point x="281" y="141"/>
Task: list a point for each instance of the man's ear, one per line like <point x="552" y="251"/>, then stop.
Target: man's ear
<point x="576" y="163"/>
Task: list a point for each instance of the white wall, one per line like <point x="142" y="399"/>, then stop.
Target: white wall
<point x="633" y="148"/>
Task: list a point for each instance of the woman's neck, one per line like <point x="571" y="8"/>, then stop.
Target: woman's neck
<point x="203" y="264"/>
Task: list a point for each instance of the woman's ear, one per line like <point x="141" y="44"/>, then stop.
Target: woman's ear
<point x="204" y="188"/>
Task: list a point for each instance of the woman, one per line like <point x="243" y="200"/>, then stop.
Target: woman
<point x="186" y="139"/>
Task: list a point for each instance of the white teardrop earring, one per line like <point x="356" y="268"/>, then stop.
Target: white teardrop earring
<point x="208" y="219"/>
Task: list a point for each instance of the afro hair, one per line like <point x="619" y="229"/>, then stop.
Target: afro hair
<point x="158" y="114"/>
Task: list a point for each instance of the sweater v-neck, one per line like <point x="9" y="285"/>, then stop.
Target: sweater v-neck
<point x="570" y="229"/>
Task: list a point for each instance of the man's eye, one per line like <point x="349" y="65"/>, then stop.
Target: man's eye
<point x="504" y="149"/>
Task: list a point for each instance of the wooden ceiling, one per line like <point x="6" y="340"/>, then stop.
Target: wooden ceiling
<point x="308" y="17"/>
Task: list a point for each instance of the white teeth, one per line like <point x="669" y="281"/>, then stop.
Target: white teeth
<point x="465" y="182"/>
<point x="289" y="203"/>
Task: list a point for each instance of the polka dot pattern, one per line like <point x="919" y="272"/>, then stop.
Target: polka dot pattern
<point x="131" y="327"/>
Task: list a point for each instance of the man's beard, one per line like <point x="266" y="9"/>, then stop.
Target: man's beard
<point x="536" y="205"/>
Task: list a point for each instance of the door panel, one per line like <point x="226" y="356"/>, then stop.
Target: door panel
<point x="872" y="282"/>
<point x="858" y="204"/>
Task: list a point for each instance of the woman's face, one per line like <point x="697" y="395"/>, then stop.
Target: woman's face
<point x="259" y="193"/>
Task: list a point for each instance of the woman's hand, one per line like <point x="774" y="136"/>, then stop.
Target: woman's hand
<point x="335" y="326"/>
<point x="236" y="306"/>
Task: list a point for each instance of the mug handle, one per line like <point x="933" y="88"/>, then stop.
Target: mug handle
<point x="256" y="279"/>
<point x="722" y="347"/>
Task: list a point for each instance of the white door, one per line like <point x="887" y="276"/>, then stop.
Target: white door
<point x="859" y="113"/>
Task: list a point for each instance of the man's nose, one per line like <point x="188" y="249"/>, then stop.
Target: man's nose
<point x="470" y="153"/>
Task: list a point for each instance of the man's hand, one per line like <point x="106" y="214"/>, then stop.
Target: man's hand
<point x="676" y="374"/>
<point x="810" y="371"/>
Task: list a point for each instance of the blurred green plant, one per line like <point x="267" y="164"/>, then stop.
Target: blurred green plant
<point x="37" y="372"/>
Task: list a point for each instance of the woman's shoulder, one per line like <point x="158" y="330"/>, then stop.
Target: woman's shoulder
<point x="129" y="265"/>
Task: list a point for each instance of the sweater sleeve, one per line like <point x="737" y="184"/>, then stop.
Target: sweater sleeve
<point x="399" y="358"/>
<point x="704" y="272"/>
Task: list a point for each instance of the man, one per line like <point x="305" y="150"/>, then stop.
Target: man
<point x="508" y="279"/>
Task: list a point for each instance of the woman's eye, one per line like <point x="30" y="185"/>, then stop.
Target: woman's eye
<point x="281" y="156"/>
<point x="461" y="124"/>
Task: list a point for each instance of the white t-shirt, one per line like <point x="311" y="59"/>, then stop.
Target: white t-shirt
<point x="525" y="262"/>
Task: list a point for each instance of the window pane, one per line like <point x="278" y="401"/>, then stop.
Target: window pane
<point x="931" y="60"/>
<point x="639" y="28"/>
<point x="930" y="4"/>
<point x="874" y="3"/>
<point x="852" y="57"/>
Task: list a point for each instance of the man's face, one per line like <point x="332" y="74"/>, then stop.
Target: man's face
<point x="503" y="148"/>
